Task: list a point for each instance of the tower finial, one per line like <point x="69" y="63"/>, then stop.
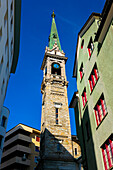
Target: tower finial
<point x="53" y="14"/>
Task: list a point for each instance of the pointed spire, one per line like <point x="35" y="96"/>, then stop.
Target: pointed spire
<point x="54" y="34"/>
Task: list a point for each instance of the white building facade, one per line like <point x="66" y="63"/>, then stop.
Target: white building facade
<point x="9" y="51"/>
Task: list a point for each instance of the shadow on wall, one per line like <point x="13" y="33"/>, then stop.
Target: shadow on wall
<point x="53" y="150"/>
<point x="86" y="141"/>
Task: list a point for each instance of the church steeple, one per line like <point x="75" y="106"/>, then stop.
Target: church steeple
<point x="54" y="38"/>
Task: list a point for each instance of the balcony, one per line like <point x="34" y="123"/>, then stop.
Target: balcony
<point x="15" y="160"/>
<point x="18" y="136"/>
<point x="16" y="148"/>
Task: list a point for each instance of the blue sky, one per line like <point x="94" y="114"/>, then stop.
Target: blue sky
<point x="23" y="96"/>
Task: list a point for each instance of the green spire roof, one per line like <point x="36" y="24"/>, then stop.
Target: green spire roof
<point x="54" y="34"/>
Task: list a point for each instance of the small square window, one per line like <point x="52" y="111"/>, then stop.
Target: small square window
<point x="37" y="149"/>
<point x="75" y="151"/>
<point x="36" y="159"/>
<point x="3" y="121"/>
<point x="37" y="138"/>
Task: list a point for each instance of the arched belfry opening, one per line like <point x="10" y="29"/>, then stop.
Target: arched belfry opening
<point x="56" y="69"/>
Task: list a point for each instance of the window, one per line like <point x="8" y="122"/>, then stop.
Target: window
<point x="56" y="111"/>
<point x="100" y="110"/>
<point x="12" y="47"/>
<point x="56" y="69"/>
<point x="0" y="33"/>
<point x="82" y="44"/>
<point x="107" y="152"/>
<point x="11" y="9"/>
<point x="1" y="137"/>
<point x="5" y="18"/>
<point x="37" y="138"/>
<point x="3" y="121"/>
<point x="93" y="77"/>
<point x="75" y="151"/>
<point x="7" y="68"/>
<point x="58" y="147"/>
<point x="2" y="88"/>
<point x="45" y="70"/>
<point x="1" y="64"/>
<point x="81" y="71"/>
<point x="6" y="46"/>
<point x="90" y="47"/>
<point x="36" y="159"/>
<point x="37" y="149"/>
<point x="84" y="98"/>
<point x="87" y="131"/>
<point x="11" y="24"/>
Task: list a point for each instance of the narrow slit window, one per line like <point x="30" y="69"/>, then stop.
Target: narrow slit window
<point x="90" y="47"/>
<point x="81" y="71"/>
<point x="82" y="44"/>
<point x="84" y="97"/>
<point x="56" y="115"/>
<point x="3" y="123"/>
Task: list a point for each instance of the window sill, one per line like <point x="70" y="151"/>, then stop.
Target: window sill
<point x="101" y="121"/>
<point x="59" y="125"/>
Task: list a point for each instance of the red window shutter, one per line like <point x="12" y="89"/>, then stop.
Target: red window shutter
<point x="89" y="51"/>
<point x="103" y="107"/>
<point x="96" y="116"/>
<point x="85" y="97"/>
<point x="83" y="101"/>
<point x="111" y="145"/>
<point x="37" y="139"/>
<point x="93" y="80"/>
<point x="91" y="88"/>
<point x="104" y="158"/>
<point x="108" y="155"/>
<point x="81" y="74"/>
<point x="96" y="74"/>
<point x="99" y="113"/>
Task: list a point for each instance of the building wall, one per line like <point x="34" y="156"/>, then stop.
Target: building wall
<point x="20" y="142"/>
<point x="103" y="58"/>
<point x="6" y="55"/>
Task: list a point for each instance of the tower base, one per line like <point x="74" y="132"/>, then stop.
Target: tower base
<point x="57" y="165"/>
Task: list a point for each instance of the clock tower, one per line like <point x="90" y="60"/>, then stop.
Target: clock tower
<point x="56" y="144"/>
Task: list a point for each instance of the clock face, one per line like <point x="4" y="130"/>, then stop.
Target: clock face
<point x="56" y="66"/>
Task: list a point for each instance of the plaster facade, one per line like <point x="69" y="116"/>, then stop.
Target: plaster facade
<point x="9" y="42"/>
<point x="94" y="133"/>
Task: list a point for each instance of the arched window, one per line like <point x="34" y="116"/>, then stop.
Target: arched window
<point x="56" y="69"/>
